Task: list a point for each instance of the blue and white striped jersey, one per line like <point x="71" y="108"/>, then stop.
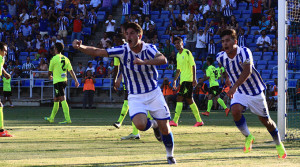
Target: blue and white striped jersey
<point x="126" y="8"/>
<point x="139" y="78"/>
<point x="254" y="85"/>
<point x="146" y="7"/>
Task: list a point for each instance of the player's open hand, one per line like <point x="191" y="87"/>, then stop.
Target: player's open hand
<point x="76" y="84"/>
<point x="51" y="77"/>
<point x="194" y="83"/>
<point x="76" y="44"/>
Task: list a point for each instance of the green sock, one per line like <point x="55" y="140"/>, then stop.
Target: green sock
<point x="221" y="102"/>
<point x="209" y="105"/>
<point x="196" y="112"/>
<point x="135" y="131"/>
<point x="65" y="107"/>
<point x="54" y="110"/>
<point x="124" y="111"/>
<point x="1" y="118"/>
<point x="178" y="110"/>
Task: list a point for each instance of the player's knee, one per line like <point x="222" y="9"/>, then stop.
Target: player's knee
<point x="140" y="126"/>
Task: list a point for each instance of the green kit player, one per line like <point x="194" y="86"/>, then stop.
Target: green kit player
<point x="186" y="68"/>
<point x="59" y="65"/>
<point x="7" y="91"/>
<point x="212" y="74"/>
<point x="3" y="53"/>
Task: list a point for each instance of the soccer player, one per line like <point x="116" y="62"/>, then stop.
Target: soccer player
<point x="246" y="90"/>
<point x="186" y="68"/>
<point x="7" y="91"/>
<point x="212" y="74"/>
<point x="3" y="53"/>
<point x="138" y="60"/>
<point x="59" y="65"/>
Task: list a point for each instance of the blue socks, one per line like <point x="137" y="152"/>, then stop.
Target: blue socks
<point x="275" y="136"/>
<point x="242" y="126"/>
<point x="169" y="144"/>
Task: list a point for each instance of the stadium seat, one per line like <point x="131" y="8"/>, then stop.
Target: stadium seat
<point x="265" y="76"/>
<point x="164" y="66"/>
<point x="267" y="57"/>
<point x="154" y="17"/>
<point x="24" y="54"/>
<point x="87" y="30"/>
<point x="39" y="82"/>
<point x="100" y="18"/>
<point x="272" y="66"/>
<point x="297" y="76"/>
<point x="165" y="37"/>
<point x="154" y="12"/>
<point x="168" y="76"/>
<point x="25" y="83"/>
<point x="291" y="76"/>
<point x="161" y="29"/>
<point x="262" y="62"/>
<point x="257" y="53"/>
<point x="261" y="67"/>
<point x="292" y="83"/>
<point x="98" y="82"/>
<point x="168" y="72"/>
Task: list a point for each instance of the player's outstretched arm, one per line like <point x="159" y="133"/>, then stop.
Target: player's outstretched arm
<point x="74" y="77"/>
<point x="89" y="50"/>
<point x="175" y="78"/>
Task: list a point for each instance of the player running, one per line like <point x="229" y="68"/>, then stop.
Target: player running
<point x="212" y="74"/>
<point x="59" y="65"/>
<point x="138" y="60"/>
<point x="246" y="90"/>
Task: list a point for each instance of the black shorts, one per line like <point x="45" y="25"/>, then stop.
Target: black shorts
<point x="59" y="88"/>
<point x="215" y="90"/>
<point x="186" y="89"/>
<point x="7" y="93"/>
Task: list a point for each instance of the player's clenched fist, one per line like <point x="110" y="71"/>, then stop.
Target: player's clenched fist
<point x="76" y="44"/>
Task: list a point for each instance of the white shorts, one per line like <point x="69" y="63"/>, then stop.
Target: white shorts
<point x="257" y="104"/>
<point x="153" y="101"/>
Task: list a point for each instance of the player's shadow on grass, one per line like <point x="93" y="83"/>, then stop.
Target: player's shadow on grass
<point x="132" y="163"/>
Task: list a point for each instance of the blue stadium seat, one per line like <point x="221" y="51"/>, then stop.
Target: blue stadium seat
<point x="291" y="76"/>
<point x="154" y="12"/>
<point x="168" y="72"/>
<point x="154" y="17"/>
<point x="176" y="11"/>
<point x="87" y="30"/>
<point x="237" y="13"/>
<point x="266" y="72"/>
<point x="292" y="83"/>
<point x="268" y="53"/>
<point x="73" y="83"/>
<point x="262" y="62"/>
<point x="106" y="86"/>
<point x="271" y="66"/>
<point x="272" y="62"/>
<point x="267" y="57"/>
<point x="265" y="76"/>
<point x="164" y="66"/>
<point x="297" y="76"/>
<point x="168" y="76"/>
<point x="98" y="82"/>
<point x="24" y="54"/>
<point x="39" y="82"/>
<point x="257" y="53"/>
<point x="161" y="29"/>
<point x="25" y="83"/>
<point x="165" y="37"/>
<point x="261" y="67"/>
<point x="100" y="18"/>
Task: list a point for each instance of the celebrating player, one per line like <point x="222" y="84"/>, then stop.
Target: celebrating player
<point x="186" y="68"/>
<point x="247" y="90"/>
<point x="138" y="60"/>
<point x="59" y="65"/>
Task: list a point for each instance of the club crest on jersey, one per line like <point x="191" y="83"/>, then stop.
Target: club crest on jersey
<point x="128" y="60"/>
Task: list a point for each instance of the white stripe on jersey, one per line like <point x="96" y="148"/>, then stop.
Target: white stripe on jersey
<point x="292" y="57"/>
<point x="126" y="8"/>
<point x="62" y="26"/>
<point x="254" y="85"/>
<point x="227" y="11"/>
<point x="140" y="78"/>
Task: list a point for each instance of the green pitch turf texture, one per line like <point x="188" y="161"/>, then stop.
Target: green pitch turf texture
<point x="91" y="140"/>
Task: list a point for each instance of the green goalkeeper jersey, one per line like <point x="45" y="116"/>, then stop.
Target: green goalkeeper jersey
<point x="59" y="65"/>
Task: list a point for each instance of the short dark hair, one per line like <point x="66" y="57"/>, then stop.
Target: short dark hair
<point x="210" y="60"/>
<point x="136" y="27"/>
<point x="230" y="32"/>
<point x="2" y="44"/>
<point x="59" y="47"/>
<point x="177" y="38"/>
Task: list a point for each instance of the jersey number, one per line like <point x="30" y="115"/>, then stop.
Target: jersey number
<point x="63" y="65"/>
<point x="216" y="73"/>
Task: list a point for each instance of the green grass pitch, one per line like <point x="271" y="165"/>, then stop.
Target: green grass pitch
<point x="91" y="140"/>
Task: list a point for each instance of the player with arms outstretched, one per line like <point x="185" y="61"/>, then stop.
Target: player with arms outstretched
<point x="59" y="65"/>
<point x="138" y="60"/>
<point x="246" y="90"/>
